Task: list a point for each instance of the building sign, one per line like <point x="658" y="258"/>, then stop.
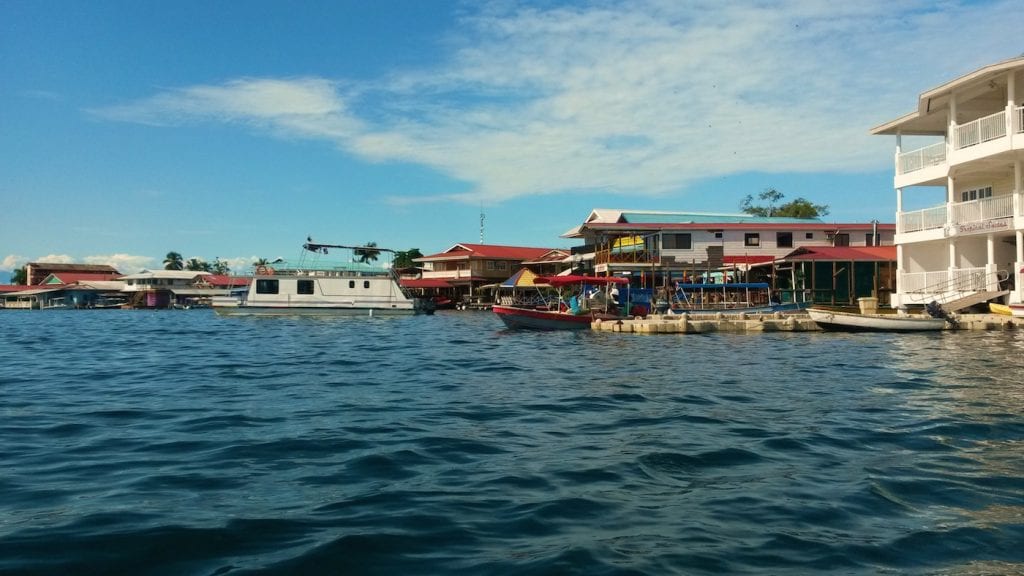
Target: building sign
<point x="601" y="268"/>
<point x="986" y="226"/>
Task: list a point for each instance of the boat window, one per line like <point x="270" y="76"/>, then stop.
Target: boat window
<point x="366" y="283"/>
<point x="305" y="287"/>
<point x="266" y="286"/>
<point x="351" y="283"/>
<point x="752" y="239"/>
<point x="677" y="241"/>
<point x="784" y="239"/>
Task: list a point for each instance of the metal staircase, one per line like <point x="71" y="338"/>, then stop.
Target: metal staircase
<point x="960" y="293"/>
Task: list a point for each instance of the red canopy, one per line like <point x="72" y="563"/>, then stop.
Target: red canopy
<point x="572" y="279"/>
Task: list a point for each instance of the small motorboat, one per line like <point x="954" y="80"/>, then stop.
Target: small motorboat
<point x="854" y="322"/>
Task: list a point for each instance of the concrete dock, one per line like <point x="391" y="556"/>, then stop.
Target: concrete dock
<point x="777" y="322"/>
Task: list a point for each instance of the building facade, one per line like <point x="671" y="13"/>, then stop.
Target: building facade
<point x="467" y="267"/>
<point x="667" y="246"/>
<point x="968" y="238"/>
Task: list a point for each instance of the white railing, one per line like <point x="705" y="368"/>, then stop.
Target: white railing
<point x="446" y="274"/>
<point x="946" y="281"/>
<point x="982" y="209"/>
<point x="981" y="130"/>
<point x="921" y="158"/>
<point x="927" y="219"/>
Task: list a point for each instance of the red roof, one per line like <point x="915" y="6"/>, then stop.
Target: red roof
<point x="224" y="280"/>
<point x="16" y="287"/>
<point x="844" y="253"/>
<point x="424" y="283"/>
<point x="467" y="251"/>
<point x="72" y="277"/>
<point x="730" y="259"/>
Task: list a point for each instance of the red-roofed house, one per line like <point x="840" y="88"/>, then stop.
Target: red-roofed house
<point x="469" y="266"/>
<point x="37" y="272"/>
<point x="840" y="274"/>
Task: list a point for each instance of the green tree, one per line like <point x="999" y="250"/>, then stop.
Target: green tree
<point x="260" y="262"/>
<point x="195" y="264"/>
<point x="404" y="258"/>
<point x="220" y="267"/>
<point x="367" y="253"/>
<point x="173" y="261"/>
<point x="20" y="276"/>
<point x="799" y="208"/>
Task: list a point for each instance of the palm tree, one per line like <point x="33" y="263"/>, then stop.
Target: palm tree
<point x="368" y="253"/>
<point x="194" y="264"/>
<point x="173" y="261"/>
<point x="220" y="267"/>
<point x="20" y="276"/>
<point x="260" y="262"/>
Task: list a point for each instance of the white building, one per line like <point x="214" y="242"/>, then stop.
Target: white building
<point x="969" y="237"/>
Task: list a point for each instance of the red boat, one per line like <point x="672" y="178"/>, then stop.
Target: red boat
<point x="563" y="314"/>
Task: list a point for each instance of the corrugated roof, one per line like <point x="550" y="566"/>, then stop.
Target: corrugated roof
<point x="844" y="253"/>
<point x="797" y="225"/>
<point x="463" y="250"/>
<point x="699" y="218"/>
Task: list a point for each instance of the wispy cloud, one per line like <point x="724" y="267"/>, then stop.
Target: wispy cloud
<point x="644" y="96"/>
<point x="12" y="261"/>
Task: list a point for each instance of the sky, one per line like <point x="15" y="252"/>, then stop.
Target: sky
<point x="234" y="130"/>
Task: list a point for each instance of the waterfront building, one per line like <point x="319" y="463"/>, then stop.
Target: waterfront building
<point x="967" y="238"/>
<point x="468" y="267"/>
<point x="185" y="288"/>
<point x="58" y="273"/>
<point x="661" y="247"/>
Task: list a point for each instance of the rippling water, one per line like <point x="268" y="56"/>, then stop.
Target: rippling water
<point x="181" y="443"/>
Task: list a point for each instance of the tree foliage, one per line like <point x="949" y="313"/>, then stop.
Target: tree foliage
<point x="798" y="208"/>
<point x="173" y="261"/>
<point x="367" y="253"/>
<point x="20" y="276"/>
<point x="404" y="258"/>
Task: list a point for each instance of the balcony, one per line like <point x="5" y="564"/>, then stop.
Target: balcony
<point x="447" y="274"/>
<point x="944" y="282"/>
<point x="918" y="220"/>
<point x="966" y="217"/>
<point x="987" y="129"/>
<point x="921" y="158"/>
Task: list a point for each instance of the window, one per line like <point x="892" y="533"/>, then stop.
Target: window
<point x="752" y="239"/>
<point x="351" y="283"/>
<point x="304" y="287"/>
<point x="976" y="194"/>
<point x="366" y="283"/>
<point x="490" y="264"/>
<point x="718" y="235"/>
<point x="502" y="265"/>
<point x="809" y="236"/>
<point x="266" y="287"/>
<point x="871" y="240"/>
<point x="841" y="240"/>
<point x="677" y="241"/>
<point x="784" y="239"/>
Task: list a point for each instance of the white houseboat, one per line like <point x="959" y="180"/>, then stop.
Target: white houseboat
<point x="967" y="244"/>
<point x="354" y="286"/>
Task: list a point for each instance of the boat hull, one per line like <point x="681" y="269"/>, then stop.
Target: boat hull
<point x="244" y="310"/>
<point x="790" y="307"/>
<point x="531" y="319"/>
<point x="1016" y="310"/>
<point x="852" y="322"/>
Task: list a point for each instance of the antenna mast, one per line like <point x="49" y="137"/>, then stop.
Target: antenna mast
<point x="482" y="222"/>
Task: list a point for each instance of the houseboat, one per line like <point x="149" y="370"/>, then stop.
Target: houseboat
<point x="352" y="286"/>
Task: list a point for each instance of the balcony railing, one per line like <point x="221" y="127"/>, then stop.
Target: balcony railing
<point x="927" y="219"/>
<point x="981" y="130"/>
<point x="947" y="281"/>
<point x="914" y="160"/>
<point x="447" y="274"/>
<point x="982" y="209"/>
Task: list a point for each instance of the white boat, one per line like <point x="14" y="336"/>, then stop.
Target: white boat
<point x="313" y="286"/>
<point x="854" y="322"/>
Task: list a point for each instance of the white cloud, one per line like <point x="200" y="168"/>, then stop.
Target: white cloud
<point x="125" y="263"/>
<point x="645" y="97"/>
<point x="56" y="259"/>
<point x="12" y="261"/>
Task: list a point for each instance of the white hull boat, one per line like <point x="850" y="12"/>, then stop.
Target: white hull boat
<point x="854" y="322"/>
<point x="350" y="288"/>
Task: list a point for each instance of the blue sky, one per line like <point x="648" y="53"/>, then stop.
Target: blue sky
<point x="235" y="129"/>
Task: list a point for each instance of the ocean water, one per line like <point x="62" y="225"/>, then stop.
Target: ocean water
<point x="136" y="442"/>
